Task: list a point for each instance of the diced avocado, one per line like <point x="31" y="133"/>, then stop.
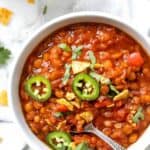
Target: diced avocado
<point x="122" y="95"/>
<point x="79" y="66"/>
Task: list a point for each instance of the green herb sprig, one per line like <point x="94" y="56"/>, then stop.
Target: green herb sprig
<point x="76" y="51"/>
<point x="92" y="59"/>
<point x="4" y="55"/>
<point x="67" y="74"/>
<point x="45" y="9"/>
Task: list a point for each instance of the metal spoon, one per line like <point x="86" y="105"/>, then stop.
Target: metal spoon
<point x="89" y="128"/>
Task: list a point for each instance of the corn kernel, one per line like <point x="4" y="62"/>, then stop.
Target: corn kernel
<point x="97" y="66"/>
<point x="31" y="1"/>
<point x="5" y="16"/>
<point x="3" y="98"/>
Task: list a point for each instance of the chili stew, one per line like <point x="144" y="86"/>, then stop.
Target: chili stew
<point x="86" y="73"/>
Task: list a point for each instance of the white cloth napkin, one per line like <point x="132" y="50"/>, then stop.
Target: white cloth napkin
<point x="135" y="11"/>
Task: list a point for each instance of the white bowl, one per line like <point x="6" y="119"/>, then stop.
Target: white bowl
<point x="39" y="35"/>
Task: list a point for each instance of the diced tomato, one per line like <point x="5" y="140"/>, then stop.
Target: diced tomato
<point x="61" y="108"/>
<point x="104" y="55"/>
<point x="104" y="103"/>
<point x="135" y="59"/>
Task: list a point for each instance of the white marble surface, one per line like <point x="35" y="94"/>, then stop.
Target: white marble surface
<point x="27" y="18"/>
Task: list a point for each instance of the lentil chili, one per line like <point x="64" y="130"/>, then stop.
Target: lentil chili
<point x="117" y="69"/>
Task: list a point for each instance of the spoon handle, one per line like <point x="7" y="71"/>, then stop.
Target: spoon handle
<point x="104" y="137"/>
<point x="108" y="140"/>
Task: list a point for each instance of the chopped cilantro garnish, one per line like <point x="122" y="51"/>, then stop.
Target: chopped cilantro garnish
<point x="64" y="47"/>
<point x="45" y="10"/>
<point x="100" y="78"/>
<point x="92" y="58"/>
<point x="76" y="51"/>
<point x="112" y="91"/>
<point x="4" y="55"/>
<point x="67" y="74"/>
<point x="138" y="116"/>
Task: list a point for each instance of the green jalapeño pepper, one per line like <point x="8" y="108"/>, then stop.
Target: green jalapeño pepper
<point x="59" y="140"/>
<point x="38" y="88"/>
<point x="86" y="87"/>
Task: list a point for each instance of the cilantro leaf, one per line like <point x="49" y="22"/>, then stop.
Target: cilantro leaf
<point x="92" y="58"/>
<point x="64" y="47"/>
<point x="67" y="74"/>
<point x="112" y="91"/>
<point x="45" y="10"/>
<point x="100" y="78"/>
<point x="113" y="88"/>
<point x="76" y="51"/>
<point x="138" y="116"/>
<point x="4" y="55"/>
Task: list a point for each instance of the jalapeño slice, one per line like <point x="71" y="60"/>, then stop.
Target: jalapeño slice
<point x="59" y="140"/>
<point x="86" y="87"/>
<point x="38" y="88"/>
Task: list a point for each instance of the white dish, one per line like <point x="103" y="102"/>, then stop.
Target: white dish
<point x="39" y="35"/>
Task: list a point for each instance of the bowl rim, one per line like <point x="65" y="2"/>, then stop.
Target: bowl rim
<point x="121" y="24"/>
